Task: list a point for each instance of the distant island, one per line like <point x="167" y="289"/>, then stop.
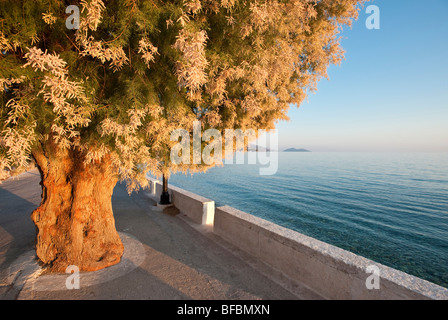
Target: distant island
<point x="296" y="150"/>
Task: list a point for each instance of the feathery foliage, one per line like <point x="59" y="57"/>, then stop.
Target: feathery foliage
<point x="136" y="70"/>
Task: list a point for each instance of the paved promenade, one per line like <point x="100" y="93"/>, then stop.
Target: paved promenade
<point x="166" y="256"/>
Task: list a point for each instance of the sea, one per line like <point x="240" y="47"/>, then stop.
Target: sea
<point x="388" y="207"/>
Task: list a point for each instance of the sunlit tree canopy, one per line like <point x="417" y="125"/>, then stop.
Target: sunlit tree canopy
<point x="136" y="70"/>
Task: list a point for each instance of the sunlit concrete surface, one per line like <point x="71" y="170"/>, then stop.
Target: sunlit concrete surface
<point x="171" y="258"/>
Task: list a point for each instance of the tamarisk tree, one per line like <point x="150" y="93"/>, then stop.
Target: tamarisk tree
<point x="95" y="104"/>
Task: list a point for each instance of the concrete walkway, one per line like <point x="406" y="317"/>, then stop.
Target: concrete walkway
<point x="166" y="256"/>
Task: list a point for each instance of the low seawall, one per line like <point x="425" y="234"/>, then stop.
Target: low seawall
<point x="329" y="271"/>
<point x="199" y="209"/>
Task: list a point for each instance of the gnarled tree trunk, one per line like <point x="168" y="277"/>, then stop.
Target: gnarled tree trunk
<point x="75" y="222"/>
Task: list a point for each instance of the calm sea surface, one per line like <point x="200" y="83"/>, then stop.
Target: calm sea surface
<point x="391" y="208"/>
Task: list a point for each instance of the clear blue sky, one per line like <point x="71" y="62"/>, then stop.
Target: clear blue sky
<point x="391" y="92"/>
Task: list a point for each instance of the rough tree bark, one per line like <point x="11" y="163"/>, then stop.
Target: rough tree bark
<point x="75" y="222"/>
